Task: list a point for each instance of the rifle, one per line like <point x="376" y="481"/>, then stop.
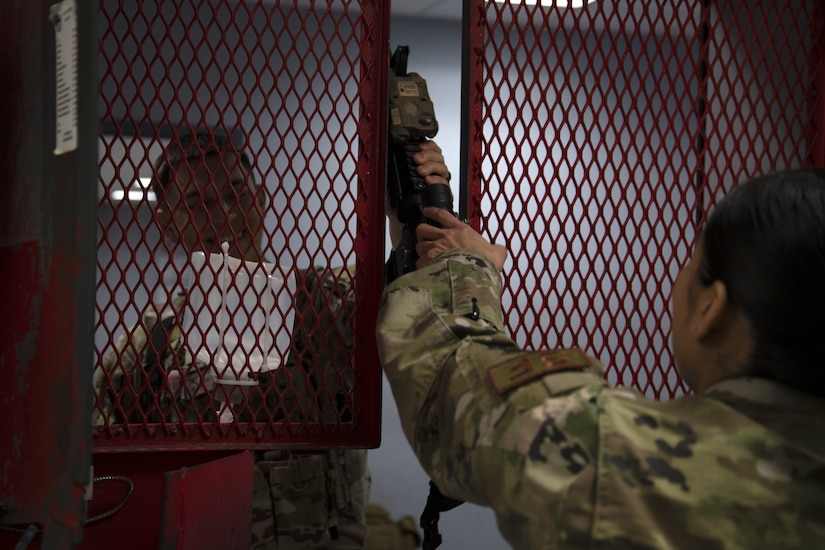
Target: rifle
<point x="412" y="121"/>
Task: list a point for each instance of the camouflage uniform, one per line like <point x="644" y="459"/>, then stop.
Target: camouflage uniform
<point x="301" y="500"/>
<point x="386" y="534"/>
<point x="568" y="462"/>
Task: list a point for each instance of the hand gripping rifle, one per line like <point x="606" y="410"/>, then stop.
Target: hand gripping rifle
<point x="412" y="121"/>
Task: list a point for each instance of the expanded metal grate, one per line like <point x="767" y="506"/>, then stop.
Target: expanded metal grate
<point x="208" y="351"/>
<point x="601" y="138"/>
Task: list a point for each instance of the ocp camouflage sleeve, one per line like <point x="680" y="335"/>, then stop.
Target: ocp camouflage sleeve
<point x="324" y="335"/>
<point x="439" y="329"/>
<point x="130" y="386"/>
<point x="316" y="378"/>
<point x="567" y="462"/>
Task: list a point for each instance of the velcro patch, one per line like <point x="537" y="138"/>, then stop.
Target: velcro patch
<point x="525" y="368"/>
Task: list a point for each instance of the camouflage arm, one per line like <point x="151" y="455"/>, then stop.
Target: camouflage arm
<point x="324" y="334"/>
<point x="325" y="309"/>
<point x="415" y="337"/>
<point x="120" y="378"/>
<point x="507" y="449"/>
<point x="108" y="379"/>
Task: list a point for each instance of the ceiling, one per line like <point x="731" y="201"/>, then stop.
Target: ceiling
<point x="436" y="9"/>
<point x="433" y="9"/>
<point x="452" y="9"/>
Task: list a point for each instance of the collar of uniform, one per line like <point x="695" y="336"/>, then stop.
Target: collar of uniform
<point x="764" y="391"/>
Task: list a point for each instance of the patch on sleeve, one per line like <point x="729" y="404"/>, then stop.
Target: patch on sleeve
<point x="525" y="368"/>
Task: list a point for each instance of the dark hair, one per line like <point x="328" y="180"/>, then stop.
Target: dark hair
<point x="766" y="242"/>
<point x="186" y="146"/>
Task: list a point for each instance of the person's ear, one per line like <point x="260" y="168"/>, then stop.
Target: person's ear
<point x="164" y="221"/>
<point x="260" y="198"/>
<point x="710" y="312"/>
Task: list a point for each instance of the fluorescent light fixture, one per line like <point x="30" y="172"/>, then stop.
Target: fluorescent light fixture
<point x="136" y="192"/>
<point x="549" y="3"/>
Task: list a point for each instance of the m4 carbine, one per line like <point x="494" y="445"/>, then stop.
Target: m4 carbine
<point x="411" y="121"/>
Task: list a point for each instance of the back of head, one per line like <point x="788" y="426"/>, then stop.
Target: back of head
<point x="187" y="147"/>
<point x="766" y="242"/>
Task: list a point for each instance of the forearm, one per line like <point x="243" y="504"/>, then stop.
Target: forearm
<point x="427" y="319"/>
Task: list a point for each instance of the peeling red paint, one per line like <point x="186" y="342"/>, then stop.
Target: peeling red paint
<point x="47" y="246"/>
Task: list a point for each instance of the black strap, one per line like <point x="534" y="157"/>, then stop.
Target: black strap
<point x="436" y="503"/>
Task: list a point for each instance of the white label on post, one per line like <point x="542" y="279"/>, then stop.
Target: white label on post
<point x="63" y="17"/>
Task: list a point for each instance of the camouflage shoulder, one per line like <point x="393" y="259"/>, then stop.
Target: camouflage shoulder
<point x="328" y="276"/>
<point x="164" y="310"/>
<point x="127" y="347"/>
<point x="129" y="343"/>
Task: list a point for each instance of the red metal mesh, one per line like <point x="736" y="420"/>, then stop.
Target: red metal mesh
<point x="606" y="135"/>
<point x="297" y="89"/>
